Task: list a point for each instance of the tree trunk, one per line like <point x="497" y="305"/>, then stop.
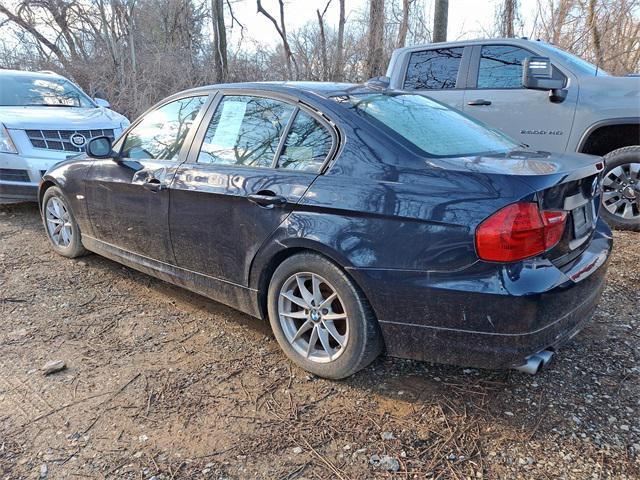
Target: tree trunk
<point x="219" y="41"/>
<point x="440" y="20"/>
<point x="323" y="46"/>
<point x="404" y="24"/>
<point x="338" y="74"/>
<point x="376" y="38"/>
<point x="595" y="34"/>
<point x="509" y="17"/>
<point x="560" y="19"/>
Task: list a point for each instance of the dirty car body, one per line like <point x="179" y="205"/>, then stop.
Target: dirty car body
<point x="401" y="221"/>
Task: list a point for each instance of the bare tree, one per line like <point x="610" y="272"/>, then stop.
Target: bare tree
<point x="595" y="34"/>
<point x="220" y="60"/>
<point x="20" y="18"/>
<point x="605" y="32"/>
<point x="323" y="42"/>
<point x="282" y="31"/>
<point x="506" y="18"/>
<point x="136" y="52"/>
<point x="554" y="18"/>
<point x="440" y="21"/>
<point x="375" y="38"/>
<point x="338" y="73"/>
<point x="404" y="24"/>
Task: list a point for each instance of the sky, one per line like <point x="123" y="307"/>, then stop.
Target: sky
<point x="467" y="18"/>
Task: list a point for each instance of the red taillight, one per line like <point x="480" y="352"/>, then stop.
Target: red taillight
<point x="519" y="231"/>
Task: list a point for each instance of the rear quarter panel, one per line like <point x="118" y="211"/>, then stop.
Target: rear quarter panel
<point x="380" y="206"/>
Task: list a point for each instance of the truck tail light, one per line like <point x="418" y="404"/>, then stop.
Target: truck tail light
<point x="519" y="231"/>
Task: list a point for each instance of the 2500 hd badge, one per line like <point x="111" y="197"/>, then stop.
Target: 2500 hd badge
<point x="541" y="132"/>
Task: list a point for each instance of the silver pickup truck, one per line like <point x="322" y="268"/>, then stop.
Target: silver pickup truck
<point x="543" y="97"/>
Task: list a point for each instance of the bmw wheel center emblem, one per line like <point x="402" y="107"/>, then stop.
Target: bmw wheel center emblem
<point x="78" y="140"/>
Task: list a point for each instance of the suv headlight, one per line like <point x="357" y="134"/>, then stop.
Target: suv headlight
<point x="6" y="144"/>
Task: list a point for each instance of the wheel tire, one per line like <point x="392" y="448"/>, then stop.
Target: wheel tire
<point x="363" y="338"/>
<point x="74" y="247"/>
<point x="619" y="158"/>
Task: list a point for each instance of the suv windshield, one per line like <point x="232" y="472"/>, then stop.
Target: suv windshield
<point x="576" y="62"/>
<point x="430" y="126"/>
<point x="23" y="91"/>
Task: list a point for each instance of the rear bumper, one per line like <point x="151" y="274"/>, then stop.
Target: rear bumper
<point x="488" y="315"/>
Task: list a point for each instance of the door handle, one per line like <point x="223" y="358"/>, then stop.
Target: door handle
<point x="266" y="200"/>
<point x="480" y="101"/>
<point x="154" y="185"/>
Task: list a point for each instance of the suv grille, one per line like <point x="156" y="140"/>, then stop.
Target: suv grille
<point x="13" y="175"/>
<point x="61" y="139"/>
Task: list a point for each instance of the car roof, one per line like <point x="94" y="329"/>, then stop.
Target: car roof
<point x="524" y="42"/>
<point x="23" y="73"/>
<point x="300" y="88"/>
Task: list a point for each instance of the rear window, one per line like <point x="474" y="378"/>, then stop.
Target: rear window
<point x="433" y="69"/>
<point x="432" y="127"/>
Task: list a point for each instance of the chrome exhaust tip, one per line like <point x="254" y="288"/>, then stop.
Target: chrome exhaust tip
<point x="536" y="362"/>
<point x="545" y="356"/>
<point x="531" y="366"/>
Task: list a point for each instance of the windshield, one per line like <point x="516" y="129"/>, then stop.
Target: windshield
<point x="22" y="91"/>
<point x="576" y="62"/>
<point x="430" y="126"/>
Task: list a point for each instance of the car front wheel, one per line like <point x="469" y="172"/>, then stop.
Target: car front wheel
<point x="621" y="189"/>
<point x="320" y="318"/>
<point x="60" y="224"/>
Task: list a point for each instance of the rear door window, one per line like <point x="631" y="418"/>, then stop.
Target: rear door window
<point x="307" y="146"/>
<point x="501" y="66"/>
<point x="433" y="69"/>
<point x="245" y="130"/>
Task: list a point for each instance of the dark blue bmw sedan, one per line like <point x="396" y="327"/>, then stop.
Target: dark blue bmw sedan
<point x="356" y="219"/>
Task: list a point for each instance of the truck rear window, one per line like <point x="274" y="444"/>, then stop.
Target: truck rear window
<point x="432" y="127"/>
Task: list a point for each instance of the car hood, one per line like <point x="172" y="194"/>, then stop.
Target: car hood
<point x="630" y="85"/>
<point x="60" y="118"/>
<point x="610" y="97"/>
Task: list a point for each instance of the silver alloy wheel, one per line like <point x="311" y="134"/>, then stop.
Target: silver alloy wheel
<point x="58" y="222"/>
<point x="621" y="191"/>
<point x="313" y="318"/>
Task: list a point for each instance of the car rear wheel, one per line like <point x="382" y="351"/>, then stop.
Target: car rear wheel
<point x="60" y="224"/>
<point x="621" y="189"/>
<point x="320" y="318"/>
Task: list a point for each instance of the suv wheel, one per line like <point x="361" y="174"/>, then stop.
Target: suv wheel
<point x="60" y="225"/>
<point x="320" y="317"/>
<point x="621" y="189"/>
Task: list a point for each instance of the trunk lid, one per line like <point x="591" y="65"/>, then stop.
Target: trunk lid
<point x="567" y="182"/>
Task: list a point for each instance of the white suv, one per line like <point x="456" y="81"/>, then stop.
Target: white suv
<point x="44" y="119"/>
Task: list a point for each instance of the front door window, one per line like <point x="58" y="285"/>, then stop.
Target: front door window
<point x="161" y="133"/>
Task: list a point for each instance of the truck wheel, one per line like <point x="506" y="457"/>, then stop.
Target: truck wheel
<point x="621" y="189"/>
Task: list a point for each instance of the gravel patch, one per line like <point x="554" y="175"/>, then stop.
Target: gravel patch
<point x="160" y="383"/>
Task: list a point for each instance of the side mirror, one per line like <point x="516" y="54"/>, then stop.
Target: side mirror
<point x="101" y="102"/>
<point x="537" y="74"/>
<point x="100" y="147"/>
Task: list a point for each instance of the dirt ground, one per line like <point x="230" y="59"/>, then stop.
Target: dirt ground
<point x="162" y="383"/>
